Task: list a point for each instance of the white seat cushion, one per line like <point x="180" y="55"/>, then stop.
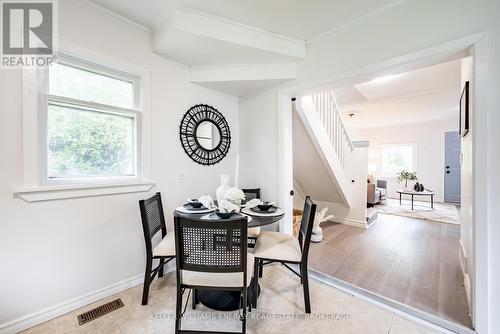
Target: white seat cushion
<point x="166" y="247"/>
<point x="277" y="246"/>
<point x="253" y="232"/>
<point x="219" y="279"/>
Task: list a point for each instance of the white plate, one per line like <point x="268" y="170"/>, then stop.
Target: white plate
<point x="249" y="212"/>
<point x="208" y="217"/>
<point x="184" y="210"/>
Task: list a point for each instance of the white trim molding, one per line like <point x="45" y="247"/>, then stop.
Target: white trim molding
<point x="55" y="311"/>
<point x="34" y="188"/>
<point x="48" y="193"/>
<point x="352" y="222"/>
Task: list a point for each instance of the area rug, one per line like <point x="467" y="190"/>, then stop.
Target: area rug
<point x="442" y="213"/>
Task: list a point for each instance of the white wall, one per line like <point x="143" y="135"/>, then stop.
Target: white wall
<point x="428" y="138"/>
<point x="466" y="209"/>
<point x="493" y="181"/>
<point x="53" y="252"/>
<point x="258" y="140"/>
<point x="409" y="27"/>
<point x="356" y="214"/>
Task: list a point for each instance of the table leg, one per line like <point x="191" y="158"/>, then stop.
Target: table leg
<point x="399" y="198"/>
<point x="432" y="201"/>
<point x="412" y="202"/>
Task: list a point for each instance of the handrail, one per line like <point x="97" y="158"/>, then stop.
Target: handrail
<point x="329" y="113"/>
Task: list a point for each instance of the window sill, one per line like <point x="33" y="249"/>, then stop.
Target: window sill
<point x="49" y="193"/>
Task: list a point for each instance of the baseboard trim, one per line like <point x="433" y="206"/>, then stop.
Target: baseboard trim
<point x="55" y="311"/>
<point x="462" y="258"/>
<point x="467" y="292"/>
<point x="352" y="222"/>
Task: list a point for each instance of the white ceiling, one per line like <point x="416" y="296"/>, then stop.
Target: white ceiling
<point x="241" y="87"/>
<point x="292" y="18"/>
<point x="417" y="96"/>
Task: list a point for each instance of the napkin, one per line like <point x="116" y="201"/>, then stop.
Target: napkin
<point x="226" y="206"/>
<point x="207" y="202"/>
<point x="253" y="203"/>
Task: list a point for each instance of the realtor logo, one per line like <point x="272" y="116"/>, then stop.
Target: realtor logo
<point x="27" y="33"/>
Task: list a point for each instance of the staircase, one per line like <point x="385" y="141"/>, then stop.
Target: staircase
<point x="327" y="165"/>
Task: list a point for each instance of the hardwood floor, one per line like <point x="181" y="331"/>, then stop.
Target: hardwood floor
<point x="408" y="260"/>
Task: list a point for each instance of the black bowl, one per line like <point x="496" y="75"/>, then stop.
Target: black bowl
<point x="195" y="203"/>
<point x="265" y="206"/>
<point x="224" y="215"/>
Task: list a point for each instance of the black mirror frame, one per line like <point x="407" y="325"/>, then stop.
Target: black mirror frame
<point x="187" y="132"/>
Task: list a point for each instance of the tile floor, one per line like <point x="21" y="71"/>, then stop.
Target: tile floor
<point x="281" y="295"/>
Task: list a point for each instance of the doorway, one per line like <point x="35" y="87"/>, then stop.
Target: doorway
<point x="478" y="272"/>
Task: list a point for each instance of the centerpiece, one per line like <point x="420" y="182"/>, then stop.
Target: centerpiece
<point x="406" y="176"/>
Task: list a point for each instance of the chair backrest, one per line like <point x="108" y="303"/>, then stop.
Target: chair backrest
<point x="153" y="219"/>
<point x="382" y="184"/>
<point x="251" y="193"/>
<point x="306" y="226"/>
<point x="211" y="246"/>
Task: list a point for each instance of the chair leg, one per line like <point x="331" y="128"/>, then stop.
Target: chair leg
<point x="305" y="286"/>
<point x="251" y="302"/>
<point x="244" y="320"/>
<point x="160" y="271"/>
<point x="147" y="282"/>
<point x="178" y="309"/>
<point x="261" y="267"/>
<point x="255" y="283"/>
<point x="193" y="299"/>
<point x="300" y="270"/>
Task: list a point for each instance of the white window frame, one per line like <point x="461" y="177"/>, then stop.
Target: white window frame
<point x="36" y="185"/>
<point x="46" y="98"/>
<point x="394" y="174"/>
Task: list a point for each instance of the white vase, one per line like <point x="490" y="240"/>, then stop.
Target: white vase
<point x="317" y="234"/>
<point x="236" y="202"/>
<point x="224" y="186"/>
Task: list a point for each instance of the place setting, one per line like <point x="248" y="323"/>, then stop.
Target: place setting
<point x="202" y="205"/>
<point x="257" y="207"/>
<point x="227" y="207"/>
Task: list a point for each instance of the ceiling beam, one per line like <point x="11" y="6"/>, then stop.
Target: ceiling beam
<point x="212" y="34"/>
<point x="275" y="71"/>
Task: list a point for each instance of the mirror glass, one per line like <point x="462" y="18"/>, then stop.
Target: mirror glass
<point x="208" y="135"/>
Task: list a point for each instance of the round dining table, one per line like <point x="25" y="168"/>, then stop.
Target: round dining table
<point x="229" y="300"/>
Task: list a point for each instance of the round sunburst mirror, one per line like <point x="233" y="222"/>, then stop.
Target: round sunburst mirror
<point x="205" y="134"/>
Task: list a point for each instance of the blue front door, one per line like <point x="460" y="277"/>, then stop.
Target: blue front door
<point x="452" y="167"/>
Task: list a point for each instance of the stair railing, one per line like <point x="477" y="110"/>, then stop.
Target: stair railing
<point x="329" y="113"/>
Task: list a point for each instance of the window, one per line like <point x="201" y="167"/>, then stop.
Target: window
<point x="397" y="157"/>
<point x="92" y="116"/>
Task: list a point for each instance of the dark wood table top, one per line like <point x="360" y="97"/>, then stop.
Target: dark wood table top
<point x="256" y="220"/>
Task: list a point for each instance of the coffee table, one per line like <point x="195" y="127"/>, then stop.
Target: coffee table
<point x="414" y="193"/>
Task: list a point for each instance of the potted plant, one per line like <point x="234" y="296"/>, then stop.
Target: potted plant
<point x="406" y="176"/>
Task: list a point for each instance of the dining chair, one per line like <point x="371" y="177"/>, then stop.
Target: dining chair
<point x="212" y="255"/>
<point x="253" y="232"/>
<point x="285" y="249"/>
<point x="251" y="193"/>
<point x="153" y="221"/>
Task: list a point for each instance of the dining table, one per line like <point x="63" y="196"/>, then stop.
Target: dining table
<point x="229" y="300"/>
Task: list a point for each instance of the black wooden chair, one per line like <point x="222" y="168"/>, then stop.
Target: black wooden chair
<point x="251" y="193"/>
<point x="212" y="256"/>
<point x="253" y="232"/>
<point x="153" y="220"/>
<point x="285" y="249"/>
